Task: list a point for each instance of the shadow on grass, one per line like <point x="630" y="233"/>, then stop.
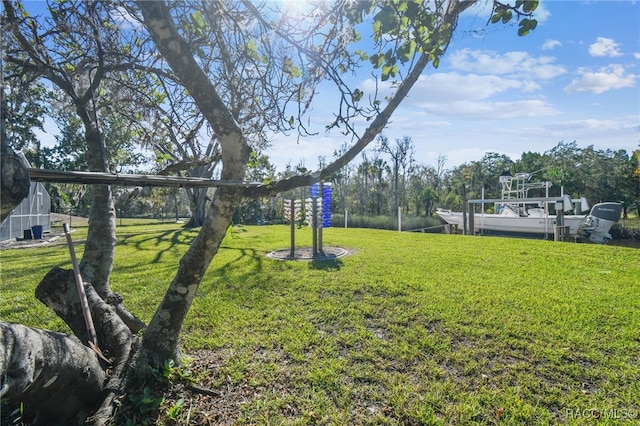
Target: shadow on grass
<point x="171" y="238"/>
<point x="231" y="266"/>
<point x="326" y="264"/>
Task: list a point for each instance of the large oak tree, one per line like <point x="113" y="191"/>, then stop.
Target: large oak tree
<point x="250" y="70"/>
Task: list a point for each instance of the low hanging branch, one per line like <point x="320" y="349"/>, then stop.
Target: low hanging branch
<point x="98" y="178"/>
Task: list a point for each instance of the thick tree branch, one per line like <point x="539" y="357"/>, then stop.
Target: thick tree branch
<point x="160" y="340"/>
<point x="14" y="179"/>
<point x="52" y="372"/>
<point x="157" y="19"/>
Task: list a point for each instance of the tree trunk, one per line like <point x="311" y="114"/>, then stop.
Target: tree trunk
<point x="97" y="260"/>
<point x="99" y="252"/>
<point x="61" y="375"/>
<point x="53" y="373"/>
<point x="198" y="204"/>
<point x="161" y="336"/>
<point x="14" y="181"/>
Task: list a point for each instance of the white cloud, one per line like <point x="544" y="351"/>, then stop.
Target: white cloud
<point x="47" y="136"/>
<point x="289" y="150"/>
<point x="510" y="63"/>
<point x="541" y="14"/>
<point x="490" y="110"/>
<point x="450" y="87"/>
<point x="456" y="157"/>
<point x="417" y="118"/>
<point x="481" y="8"/>
<point x="604" y="47"/>
<point x="550" y="44"/>
<point x="636" y="55"/>
<point x="621" y="125"/>
<point x="124" y="19"/>
<point x="607" y="78"/>
<point x="615" y="133"/>
<point x="384" y="88"/>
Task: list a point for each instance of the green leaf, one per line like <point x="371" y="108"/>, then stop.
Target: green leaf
<point x="376" y="31"/>
<point x="386" y="20"/>
<point x="385" y="73"/>
<point x="388" y="56"/>
<point x="357" y="95"/>
<point x="406" y="51"/>
<point x="389" y="71"/>
<point x="251" y="46"/>
<point x="526" y="26"/>
<point x="363" y="55"/>
<point x="412" y="9"/>
<point x="506" y="16"/>
<point x="359" y="9"/>
<point x="530" y="6"/>
<point x="295" y="72"/>
<point x="377" y="60"/>
<point x="197" y="19"/>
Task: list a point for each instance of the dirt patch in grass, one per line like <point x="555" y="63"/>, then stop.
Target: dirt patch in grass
<point x="55" y="236"/>
<point x="306" y="253"/>
<point x="216" y="397"/>
<point x="57" y="219"/>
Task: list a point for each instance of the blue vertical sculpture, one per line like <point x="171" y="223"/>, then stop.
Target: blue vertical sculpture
<point x="314" y="190"/>
<point x="326" y="206"/>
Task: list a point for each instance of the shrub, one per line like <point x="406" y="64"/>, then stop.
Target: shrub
<point x="385" y="222"/>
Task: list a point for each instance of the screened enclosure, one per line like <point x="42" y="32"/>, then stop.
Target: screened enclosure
<point x="31" y="217"/>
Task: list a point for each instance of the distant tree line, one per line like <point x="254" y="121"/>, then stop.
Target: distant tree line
<point x="390" y="179"/>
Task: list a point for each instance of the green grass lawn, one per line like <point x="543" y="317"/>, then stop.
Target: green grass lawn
<point x="408" y="329"/>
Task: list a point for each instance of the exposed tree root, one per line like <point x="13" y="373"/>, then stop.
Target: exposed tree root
<point x="52" y="372"/>
<point x="60" y="375"/>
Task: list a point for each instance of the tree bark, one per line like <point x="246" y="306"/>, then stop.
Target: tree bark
<point x="59" y="375"/>
<point x="198" y="197"/>
<point x="53" y="373"/>
<point x="97" y="260"/>
<point x="14" y="181"/>
<point x="198" y="203"/>
<point x="160" y="339"/>
<point x="59" y="292"/>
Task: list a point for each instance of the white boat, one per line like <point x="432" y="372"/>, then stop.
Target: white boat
<point x="509" y="222"/>
<point x="517" y="212"/>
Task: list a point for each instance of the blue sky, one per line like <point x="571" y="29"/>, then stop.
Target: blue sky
<point x="576" y="77"/>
